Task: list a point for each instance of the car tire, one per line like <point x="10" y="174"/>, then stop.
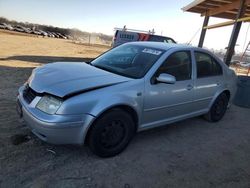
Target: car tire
<point x="111" y="133"/>
<point x="218" y="108"/>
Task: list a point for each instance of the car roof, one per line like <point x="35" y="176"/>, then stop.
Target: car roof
<point x="162" y="45"/>
<point x="167" y="46"/>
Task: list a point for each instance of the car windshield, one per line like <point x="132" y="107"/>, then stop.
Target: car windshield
<point x="128" y="60"/>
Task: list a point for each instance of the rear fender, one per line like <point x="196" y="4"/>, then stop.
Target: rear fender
<point x="216" y="96"/>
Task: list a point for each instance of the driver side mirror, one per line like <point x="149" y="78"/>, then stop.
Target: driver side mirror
<point x="166" y="78"/>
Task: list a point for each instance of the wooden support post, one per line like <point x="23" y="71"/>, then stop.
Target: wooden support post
<point x="203" y="31"/>
<point x="235" y="33"/>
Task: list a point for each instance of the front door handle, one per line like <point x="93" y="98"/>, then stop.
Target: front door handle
<point x="189" y="87"/>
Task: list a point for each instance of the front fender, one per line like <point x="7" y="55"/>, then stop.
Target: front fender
<point x="114" y="101"/>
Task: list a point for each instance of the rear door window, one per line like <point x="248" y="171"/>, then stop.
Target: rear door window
<point x="206" y="65"/>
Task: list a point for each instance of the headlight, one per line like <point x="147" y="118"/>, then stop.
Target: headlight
<point x="49" y="104"/>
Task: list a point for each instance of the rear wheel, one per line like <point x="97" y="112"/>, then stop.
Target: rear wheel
<point x="111" y="133"/>
<point x="218" y="108"/>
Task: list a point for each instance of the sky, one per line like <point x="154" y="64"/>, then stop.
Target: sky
<point x="166" y="17"/>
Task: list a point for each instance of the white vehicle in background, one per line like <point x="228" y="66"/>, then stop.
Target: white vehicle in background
<point x="6" y="26"/>
<point x="18" y="28"/>
<point x="245" y="64"/>
<point x="9" y="27"/>
<point x="50" y="34"/>
<point x="35" y="32"/>
<point x="43" y="33"/>
<point x="55" y="35"/>
<point x="22" y="29"/>
<point x="124" y="35"/>
<point x="2" y="26"/>
<point x="61" y="36"/>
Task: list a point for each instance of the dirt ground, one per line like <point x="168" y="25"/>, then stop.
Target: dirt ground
<point x="191" y="153"/>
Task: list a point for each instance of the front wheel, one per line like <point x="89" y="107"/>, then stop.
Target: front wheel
<point x="111" y="133"/>
<point x="218" y="108"/>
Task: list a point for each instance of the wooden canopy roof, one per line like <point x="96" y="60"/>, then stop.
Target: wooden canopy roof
<point x="227" y="9"/>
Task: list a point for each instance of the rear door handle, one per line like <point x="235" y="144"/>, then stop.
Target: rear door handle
<point x="189" y="87"/>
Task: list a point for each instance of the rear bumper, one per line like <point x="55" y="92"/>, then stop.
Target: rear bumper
<point x="55" y="129"/>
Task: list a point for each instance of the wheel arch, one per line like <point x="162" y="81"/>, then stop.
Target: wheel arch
<point x="127" y="108"/>
<point x="226" y="91"/>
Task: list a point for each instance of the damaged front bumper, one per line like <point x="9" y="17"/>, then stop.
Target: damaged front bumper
<point x="55" y="129"/>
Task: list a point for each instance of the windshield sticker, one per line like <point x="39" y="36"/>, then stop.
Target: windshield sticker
<point x="152" y="51"/>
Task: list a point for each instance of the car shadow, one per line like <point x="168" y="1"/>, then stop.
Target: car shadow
<point x="46" y="59"/>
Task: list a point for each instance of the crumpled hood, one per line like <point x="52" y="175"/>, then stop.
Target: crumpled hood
<point x="67" y="78"/>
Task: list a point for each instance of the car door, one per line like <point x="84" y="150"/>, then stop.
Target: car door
<point x="168" y="102"/>
<point x="209" y="77"/>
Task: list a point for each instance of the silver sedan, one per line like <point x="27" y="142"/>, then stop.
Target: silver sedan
<point x="133" y="87"/>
